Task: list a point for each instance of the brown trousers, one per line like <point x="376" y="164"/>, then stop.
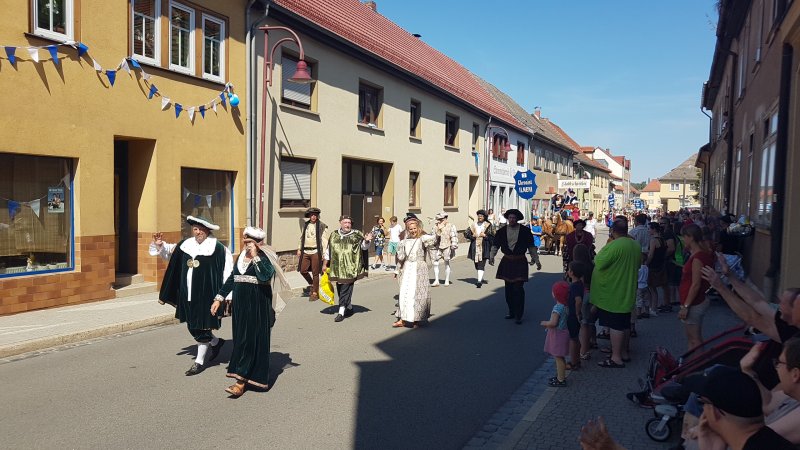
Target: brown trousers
<point x="310" y="266"/>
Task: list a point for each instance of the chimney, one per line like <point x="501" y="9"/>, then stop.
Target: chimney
<point x="537" y="112"/>
<point x="372" y="5"/>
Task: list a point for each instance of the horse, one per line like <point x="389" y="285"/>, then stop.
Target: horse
<point x="561" y="229"/>
<point x="547" y="235"/>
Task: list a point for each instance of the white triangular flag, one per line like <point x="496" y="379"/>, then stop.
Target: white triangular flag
<point x="34" y="52"/>
<point x="190" y="110"/>
<point x="214" y="106"/>
<point x="34" y="207"/>
<point x="208" y="200"/>
<point x="164" y="103"/>
<point x="185" y="194"/>
<point x="96" y="65"/>
<point x="124" y="66"/>
<point x="145" y="75"/>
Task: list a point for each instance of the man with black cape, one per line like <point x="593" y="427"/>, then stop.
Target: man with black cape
<point x="513" y="240"/>
<point x="197" y="269"/>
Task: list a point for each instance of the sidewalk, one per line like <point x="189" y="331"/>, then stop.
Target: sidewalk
<point x="46" y="328"/>
<point x="555" y="418"/>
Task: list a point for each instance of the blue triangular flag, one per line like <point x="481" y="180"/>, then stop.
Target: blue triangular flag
<point x="82" y="49"/>
<point x="196" y="200"/>
<point x="10" y="53"/>
<point x="219" y="195"/>
<point x="112" y="75"/>
<point x="54" y="53"/>
<point x="13" y="207"/>
<point x="222" y="96"/>
<point x="178" y="109"/>
<point x="153" y="90"/>
<point x="203" y="111"/>
<point x="135" y="63"/>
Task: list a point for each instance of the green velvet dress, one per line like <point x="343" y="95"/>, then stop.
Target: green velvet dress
<point x="348" y="262"/>
<point x="252" y="318"/>
<point x="206" y="279"/>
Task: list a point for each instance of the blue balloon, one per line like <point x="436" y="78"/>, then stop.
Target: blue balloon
<point x="234" y="99"/>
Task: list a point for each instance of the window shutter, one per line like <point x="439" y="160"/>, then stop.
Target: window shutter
<point x="295" y="180"/>
<point x="300" y="93"/>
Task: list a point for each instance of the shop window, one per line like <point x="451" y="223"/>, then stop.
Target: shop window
<point x="297" y="94"/>
<point x="208" y="194"/>
<point x="35" y="214"/>
<point x="146" y="30"/>
<point x="296" y="182"/>
<point x="449" y="191"/>
<point x="53" y="19"/>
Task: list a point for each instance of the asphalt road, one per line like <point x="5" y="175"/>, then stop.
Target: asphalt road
<point x="356" y="384"/>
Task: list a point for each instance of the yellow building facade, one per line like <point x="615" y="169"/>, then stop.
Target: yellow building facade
<point x="89" y="169"/>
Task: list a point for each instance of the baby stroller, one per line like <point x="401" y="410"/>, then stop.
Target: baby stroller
<point x="665" y="370"/>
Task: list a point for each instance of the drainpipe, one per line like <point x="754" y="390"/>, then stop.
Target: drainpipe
<point x="706" y="169"/>
<point x="780" y="169"/>
<point x="252" y="103"/>
<point x="729" y="139"/>
<point x="487" y="162"/>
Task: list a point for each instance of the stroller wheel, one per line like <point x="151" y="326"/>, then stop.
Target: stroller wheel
<point x="656" y="431"/>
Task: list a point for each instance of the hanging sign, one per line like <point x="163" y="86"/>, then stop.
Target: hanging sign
<point x="574" y="184"/>
<point x="525" y="184"/>
<point x="55" y="200"/>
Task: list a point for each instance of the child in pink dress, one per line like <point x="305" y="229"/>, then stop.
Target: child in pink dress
<point x="557" y="341"/>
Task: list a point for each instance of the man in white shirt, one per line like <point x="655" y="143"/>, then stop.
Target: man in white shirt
<point x="591" y="225"/>
<point x="641" y="232"/>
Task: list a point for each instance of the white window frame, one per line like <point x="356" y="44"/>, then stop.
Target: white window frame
<point x="674" y="187"/>
<point x="191" y="69"/>
<point x="221" y="77"/>
<point x="68" y="19"/>
<point x="296" y="180"/>
<point x="156" y="60"/>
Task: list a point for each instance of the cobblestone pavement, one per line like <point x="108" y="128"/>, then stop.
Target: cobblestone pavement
<point x="541" y="417"/>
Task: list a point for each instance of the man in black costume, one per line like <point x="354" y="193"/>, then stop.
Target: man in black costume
<point x="514" y="240"/>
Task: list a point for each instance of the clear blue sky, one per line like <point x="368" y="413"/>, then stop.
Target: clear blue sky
<point x="624" y="74"/>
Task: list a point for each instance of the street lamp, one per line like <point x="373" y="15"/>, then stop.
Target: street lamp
<point x="300" y="76"/>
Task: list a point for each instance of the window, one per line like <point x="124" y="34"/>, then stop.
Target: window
<point x="296" y="94"/>
<point x="181" y="38"/>
<point x="415" y="113"/>
<point x="413" y="189"/>
<point x="449" y="191"/>
<point x="451" y="126"/>
<point x="53" y="19"/>
<point x="742" y="72"/>
<point x="500" y="148"/>
<point x="370" y="101"/>
<point x="35" y="194"/>
<point x="537" y="160"/>
<point x="766" y="193"/>
<point x="736" y="174"/>
<point x="207" y="193"/>
<point x="674" y="187"/>
<point x="476" y="133"/>
<point x="295" y="182"/>
<point x="520" y="154"/>
<point x="145" y="30"/>
<point x="213" y="49"/>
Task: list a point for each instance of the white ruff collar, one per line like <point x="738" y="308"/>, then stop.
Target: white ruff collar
<point x="193" y="249"/>
<point x="241" y="264"/>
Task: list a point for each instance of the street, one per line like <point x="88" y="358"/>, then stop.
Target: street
<point x="356" y="384"/>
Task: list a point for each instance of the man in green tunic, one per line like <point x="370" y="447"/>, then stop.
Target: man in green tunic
<point x="197" y="269"/>
<point x="346" y="258"/>
<point x="616" y="269"/>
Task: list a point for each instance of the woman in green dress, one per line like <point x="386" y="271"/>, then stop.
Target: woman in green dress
<point x="252" y="310"/>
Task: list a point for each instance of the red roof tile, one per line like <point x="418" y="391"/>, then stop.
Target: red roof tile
<point x="360" y="25"/>
<point x="652" y="186"/>
<point x="575" y="146"/>
<point x="587" y="149"/>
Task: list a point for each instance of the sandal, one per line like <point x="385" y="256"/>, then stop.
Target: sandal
<point x="610" y="364"/>
<point x="556" y="383"/>
<point x="399" y="324"/>
<point x="586" y="356"/>
<point x="236" y="390"/>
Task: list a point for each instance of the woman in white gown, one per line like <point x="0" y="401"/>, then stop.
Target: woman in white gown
<point x="415" y="301"/>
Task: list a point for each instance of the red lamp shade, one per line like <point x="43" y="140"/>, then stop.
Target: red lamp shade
<point x="301" y="75"/>
<point x="508" y="147"/>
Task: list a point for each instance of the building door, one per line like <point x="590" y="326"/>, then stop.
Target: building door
<point x="363" y="184"/>
<point x="125" y="250"/>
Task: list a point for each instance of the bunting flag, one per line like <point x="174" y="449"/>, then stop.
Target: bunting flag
<point x="145" y="76"/>
<point x="34" y="52"/>
<point x="164" y="103"/>
<point x="13" y="208"/>
<point x="208" y="201"/>
<point x="53" y="54"/>
<point x="214" y="105"/>
<point x="178" y="109"/>
<point x="124" y="66"/>
<point x="153" y="90"/>
<point x="135" y="64"/>
<point x="112" y="75"/>
<point x="35" y="205"/>
<point x="97" y="66"/>
<point x="185" y="194"/>
<point x="190" y="110"/>
<point x="10" y="54"/>
<point x="82" y="49"/>
<point x="222" y="97"/>
<point x="219" y="196"/>
<point x="203" y="111"/>
<point x="196" y="200"/>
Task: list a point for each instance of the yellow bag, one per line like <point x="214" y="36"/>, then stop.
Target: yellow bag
<point x="326" y="293"/>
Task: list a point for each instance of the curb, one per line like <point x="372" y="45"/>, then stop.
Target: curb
<point x="522" y="427"/>
<point x="54" y="341"/>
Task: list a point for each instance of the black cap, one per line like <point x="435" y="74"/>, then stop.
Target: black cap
<point x="409" y="216"/>
<point x="728" y="389"/>
<point x="516" y="212"/>
<point x="482" y="212"/>
<point x="312" y="211"/>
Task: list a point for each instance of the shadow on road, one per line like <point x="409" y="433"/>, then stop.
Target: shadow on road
<point x="441" y="383"/>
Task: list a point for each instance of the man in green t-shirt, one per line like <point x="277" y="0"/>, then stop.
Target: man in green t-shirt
<point x="616" y="268"/>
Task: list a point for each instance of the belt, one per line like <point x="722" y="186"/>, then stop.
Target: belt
<point x="246" y="279"/>
<point x="514" y="257"/>
<point x="309" y="248"/>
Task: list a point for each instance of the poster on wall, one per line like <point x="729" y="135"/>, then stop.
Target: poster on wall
<point x="55" y="200"/>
